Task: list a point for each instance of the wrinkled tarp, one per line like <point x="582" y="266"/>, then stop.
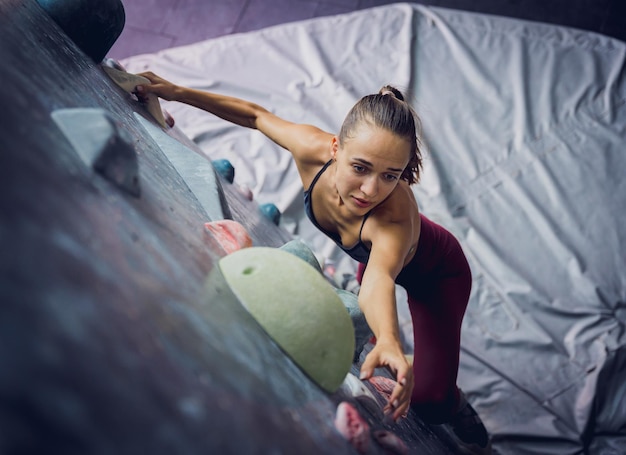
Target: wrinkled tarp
<point x="525" y="125"/>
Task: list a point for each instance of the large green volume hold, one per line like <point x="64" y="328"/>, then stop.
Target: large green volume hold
<point x="297" y="307"/>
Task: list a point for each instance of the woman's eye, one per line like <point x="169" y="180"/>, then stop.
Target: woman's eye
<point x="358" y="169"/>
<point x="391" y="177"/>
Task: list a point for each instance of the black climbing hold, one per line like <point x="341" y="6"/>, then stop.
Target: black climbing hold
<point x="93" y="25"/>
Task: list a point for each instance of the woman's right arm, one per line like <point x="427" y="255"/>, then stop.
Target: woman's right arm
<point x="303" y="141"/>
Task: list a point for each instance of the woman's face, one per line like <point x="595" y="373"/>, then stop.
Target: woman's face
<point x="369" y="166"/>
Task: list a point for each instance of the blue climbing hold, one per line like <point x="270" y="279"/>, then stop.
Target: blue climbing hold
<point x="271" y="212"/>
<point x="225" y="169"/>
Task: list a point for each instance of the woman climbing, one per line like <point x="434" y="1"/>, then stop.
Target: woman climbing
<point x="357" y="192"/>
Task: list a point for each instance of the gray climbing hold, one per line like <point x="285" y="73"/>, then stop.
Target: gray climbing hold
<point x="101" y="144"/>
<point x="195" y="170"/>
<point x="300" y="249"/>
<point x="362" y="331"/>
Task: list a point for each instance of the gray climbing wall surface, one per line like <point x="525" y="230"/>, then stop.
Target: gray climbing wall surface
<point x="109" y="340"/>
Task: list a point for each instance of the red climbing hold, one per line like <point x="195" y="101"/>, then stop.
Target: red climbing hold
<point x="231" y="235"/>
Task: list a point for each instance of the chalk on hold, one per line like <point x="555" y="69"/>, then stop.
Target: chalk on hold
<point x="300" y="249"/>
<point x="128" y="82"/>
<point x="357" y="389"/>
<point x="113" y="63"/>
<point x="101" y="145"/>
<point x="225" y="169"/>
<point x="271" y="212"/>
<point x="231" y="235"/>
<point x="297" y="308"/>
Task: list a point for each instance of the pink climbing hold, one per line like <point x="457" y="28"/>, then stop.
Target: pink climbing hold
<point x="246" y="192"/>
<point x="169" y="120"/>
<point x="390" y="442"/>
<point x="383" y="385"/>
<point x="231" y="235"/>
<point x="353" y="427"/>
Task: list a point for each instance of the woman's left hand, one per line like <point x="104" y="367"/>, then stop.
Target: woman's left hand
<point x="390" y="355"/>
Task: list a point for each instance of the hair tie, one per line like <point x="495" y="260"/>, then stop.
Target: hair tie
<point x="387" y="92"/>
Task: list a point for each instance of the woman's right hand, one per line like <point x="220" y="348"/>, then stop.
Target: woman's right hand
<point x="158" y="86"/>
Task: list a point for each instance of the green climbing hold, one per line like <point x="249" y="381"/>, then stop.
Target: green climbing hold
<point x="297" y="307"/>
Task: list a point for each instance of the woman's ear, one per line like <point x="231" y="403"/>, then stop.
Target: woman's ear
<point x="334" y="146"/>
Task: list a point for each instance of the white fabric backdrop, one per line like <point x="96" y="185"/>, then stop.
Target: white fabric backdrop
<point x="526" y="129"/>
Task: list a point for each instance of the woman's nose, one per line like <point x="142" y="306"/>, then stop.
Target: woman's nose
<point x="370" y="186"/>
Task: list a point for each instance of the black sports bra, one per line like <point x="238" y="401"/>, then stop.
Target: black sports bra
<point x="358" y="252"/>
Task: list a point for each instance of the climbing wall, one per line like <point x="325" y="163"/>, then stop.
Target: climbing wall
<point x="111" y="341"/>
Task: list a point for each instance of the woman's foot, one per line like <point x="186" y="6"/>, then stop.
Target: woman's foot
<point x="468" y="431"/>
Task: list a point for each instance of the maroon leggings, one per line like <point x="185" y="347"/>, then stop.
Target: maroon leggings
<point x="438" y="282"/>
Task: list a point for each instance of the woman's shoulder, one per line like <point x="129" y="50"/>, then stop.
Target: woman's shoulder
<point x="396" y="219"/>
<point x="309" y="143"/>
<point x="312" y="159"/>
<point x="401" y="205"/>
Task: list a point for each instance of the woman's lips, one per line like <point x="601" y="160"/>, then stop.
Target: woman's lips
<point x="361" y="202"/>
